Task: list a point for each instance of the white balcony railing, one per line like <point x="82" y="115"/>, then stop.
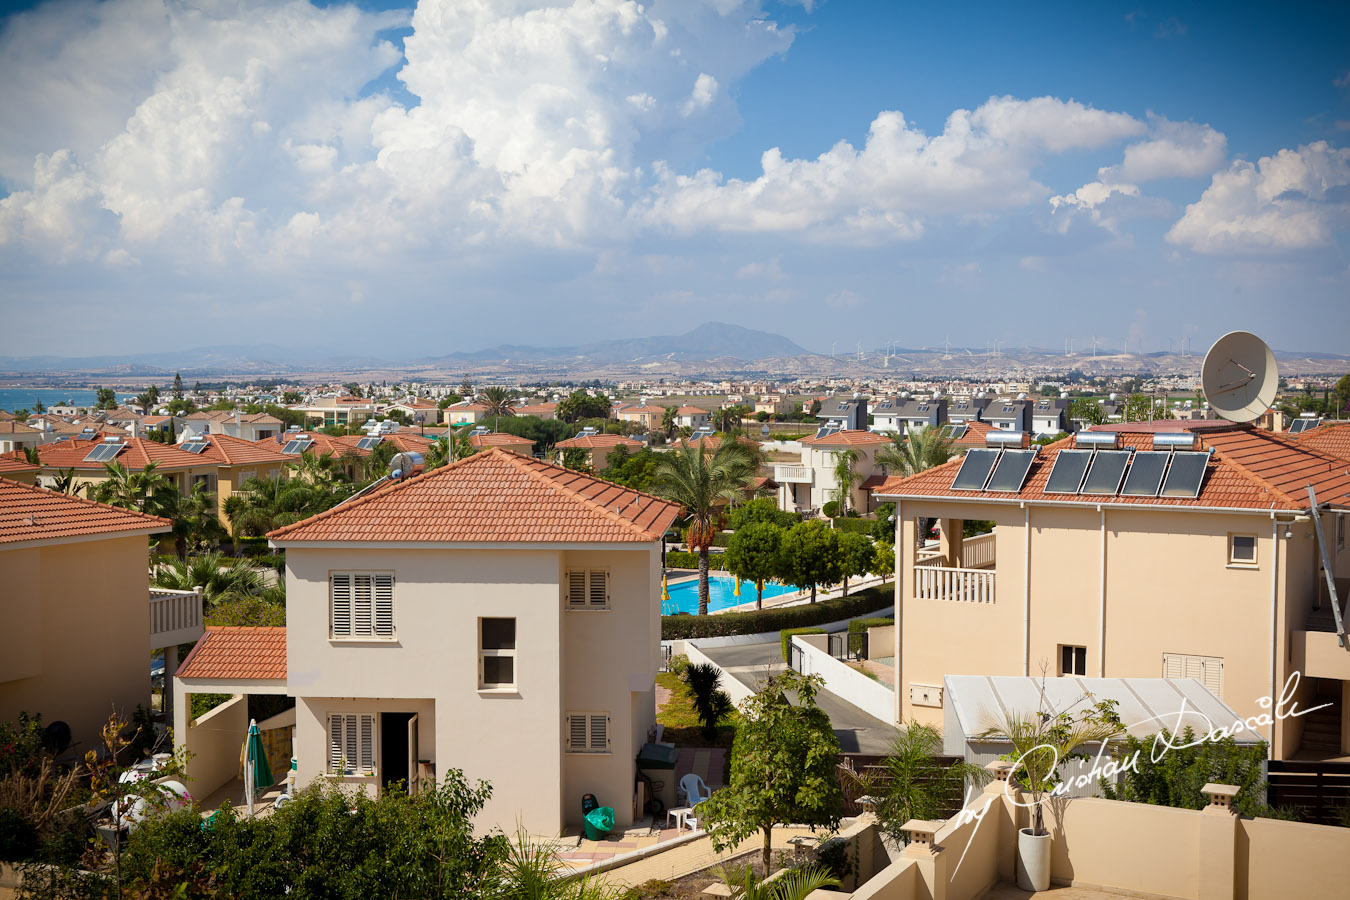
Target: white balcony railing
<point x="175" y="617"/>
<point x="928" y="553"/>
<point x="978" y="552"/>
<point x="957" y="585"/>
<point x="792" y="474"/>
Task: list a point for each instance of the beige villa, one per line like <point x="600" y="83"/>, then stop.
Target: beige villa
<point x="80" y="615"/>
<point x="598" y="447"/>
<point x="811" y="484"/>
<point x="1172" y="549"/>
<point x="496" y="615"/>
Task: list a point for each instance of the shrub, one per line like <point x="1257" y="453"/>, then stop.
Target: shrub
<point x="831" y="508"/>
<point x="674" y="628"/>
<point x="786" y="637"/>
<point x="678" y="559"/>
<point x="854" y="525"/>
<point x="858" y="627"/>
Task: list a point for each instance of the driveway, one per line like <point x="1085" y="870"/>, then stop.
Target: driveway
<point x="754" y="664"/>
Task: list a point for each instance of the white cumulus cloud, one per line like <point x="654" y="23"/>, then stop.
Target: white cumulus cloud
<point x="1292" y="200"/>
<point x="1172" y="150"/>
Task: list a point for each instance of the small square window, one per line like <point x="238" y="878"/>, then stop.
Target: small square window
<point x="496" y="653"/>
<point x="1242" y="549"/>
<point x="1072" y="660"/>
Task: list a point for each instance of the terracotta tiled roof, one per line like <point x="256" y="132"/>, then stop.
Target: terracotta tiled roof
<point x="322" y="444"/>
<point x="598" y="441"/>
<point x="497" y="497"/>
<point x="234" y="451"/>
<point x="6" y="416"/>
<point x="414" y="404"/>
<point x="13" y="427"/>
<point x="691" y="411"/>
<point x="29" y="513"/>
<point x="227" y="415"/>
<point x="465" y="406"/>
<point x="229" y="651"/>
<point x="480" y="441"/>
<point x="974" y="436"/>
<point x="1333" y="438"/>
<point x="763" y="482"/>
<point x="14" y="463"/>
<point x="138" y="453"/>
<point x="535" y="409"/>
<point x="847" y="439"/>
<point x="648" y="409"/>
<point x="1249" y="469"/>
<point x="872" y="482"/>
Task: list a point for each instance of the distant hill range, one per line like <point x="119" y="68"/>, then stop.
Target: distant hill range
<point x="713" y="349"/>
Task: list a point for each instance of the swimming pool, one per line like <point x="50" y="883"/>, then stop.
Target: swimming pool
<point x="684" y="596"/>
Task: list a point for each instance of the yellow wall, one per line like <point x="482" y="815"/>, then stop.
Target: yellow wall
<point x="91" y="629"/>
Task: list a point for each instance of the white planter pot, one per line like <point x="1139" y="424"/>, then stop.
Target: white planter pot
<point x="1033" y="861"/>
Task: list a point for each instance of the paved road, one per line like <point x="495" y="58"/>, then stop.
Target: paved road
<point x="753" y="664"/>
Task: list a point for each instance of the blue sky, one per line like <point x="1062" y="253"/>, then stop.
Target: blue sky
<point x="466" y="174"/>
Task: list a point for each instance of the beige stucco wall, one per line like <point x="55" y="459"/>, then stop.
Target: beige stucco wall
<point x="1118" y="845"/>
<point x="1287" y="859"/>
<point x="823" y="460"/>
<point x="214" y="742"/>
<point x="86" y="608"/>
<point x="566" y="661"/>
<point x="229" y="479"/>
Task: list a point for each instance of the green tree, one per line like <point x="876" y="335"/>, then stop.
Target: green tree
<point x="782" y="767"/>
<point x="856" y="555"/>
<point x="797" y="884"/>
<point x="883" y="529"/>
<point x="219" y="578"/>
<point x="290" y="398"/>
<point x="884" y="562"/>
<point x="1086" y="411"/>
<point x="636" y="470"/>
<point x="262" y="504"/>
<point x="581" y="405"/>
<point x="127" y="489"/>
<point x="703" y="481"/>
<point x="30" y="454"/>
<point x="914" y="784"/>
<point x="449" y="399"/>
<point x="192" y="516"/>
<point x="754" y="552"/>
<point x="1342" y="394"/>
<point x="711" y="703"/>
<point x="1176" y="776"/>
<point x="845" y="477"/>
<point x="761" y="509"/>
<point x="668" y="421"/>
<point x="106" y="398"/>
<point x="810" y="556"/>
<point x="177" y="386"/>
<point x="498" y="401"/>
<point x="577" y="459"/>
<point x="916" y="451"/>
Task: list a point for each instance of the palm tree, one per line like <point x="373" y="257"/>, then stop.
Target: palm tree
<point x="65" y="482"/>
<point x="438" y="454"/>
<point x="262" y="504"/>
<point x="376" y="464"/>
<point x="317" y="469"/>
<point x="917" y="451"/>
<point x="727" y="418"/>
<point x="129" y="490"/>
<point x="498" y="402"/>
<point x="702" y="481"/>
<point x="845" y="477"/>
<point x="914" y="783"/>
<point x="31" y="454"/>
<point x="668" y="421"/>
<point x="797" y="884"/>
<point x="192" y="516"/>
<point x="219" y="580"/>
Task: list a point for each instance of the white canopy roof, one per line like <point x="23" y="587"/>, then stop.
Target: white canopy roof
<point x="1145" y="705"/>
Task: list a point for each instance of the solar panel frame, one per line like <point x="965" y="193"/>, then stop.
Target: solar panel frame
<point x="1107" y="472"/>
<point x="1181" y="474"/>
<point x="958" y="432"/>
<point x="194" y="446"/>
<point x="368" y="443"/>
<point x="1147" y="471"/>
<point x="978" y="463"/>
<point x="1071" y="465"/>
<point x="292" y="448"/>
<point x="1010" y="473"/>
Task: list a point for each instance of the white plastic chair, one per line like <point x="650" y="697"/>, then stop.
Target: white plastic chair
<point x="695" y="792"/>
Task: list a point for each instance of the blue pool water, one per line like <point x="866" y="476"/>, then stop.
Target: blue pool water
<point x="684" y="596"/>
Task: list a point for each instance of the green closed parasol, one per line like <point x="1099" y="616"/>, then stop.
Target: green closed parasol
<point x="257" y="772"/>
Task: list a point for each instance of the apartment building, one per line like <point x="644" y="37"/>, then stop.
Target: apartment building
<point x="809" y="485"/>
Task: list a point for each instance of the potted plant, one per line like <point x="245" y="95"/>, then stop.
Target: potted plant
<point x="1042" y="740"/>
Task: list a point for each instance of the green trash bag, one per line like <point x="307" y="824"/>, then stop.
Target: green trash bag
<point x="599" y="822"/>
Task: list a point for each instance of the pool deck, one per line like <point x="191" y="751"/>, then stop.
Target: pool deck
<point x="792" y="598"/>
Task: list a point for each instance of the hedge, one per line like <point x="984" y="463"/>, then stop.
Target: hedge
<point x="858" y="627"/>
<point x="786" y="637"/>
<point x="678" y="628"/>
<point x="679" y="559"/>
<point x="855" y="525"/>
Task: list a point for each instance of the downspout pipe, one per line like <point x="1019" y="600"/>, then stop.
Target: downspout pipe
<point x="1274" y="611"/>
<point x="1026" y="593"/>
<point x="1101" y="607"/>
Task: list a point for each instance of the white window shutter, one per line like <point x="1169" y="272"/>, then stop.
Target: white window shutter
<point x="576" y="590"/>
<point x="576" y="732"/>
<point x="361" y="625"/>
<point x="599" y="588"/>
<point x="351" y="751"/>
<point x="599" y="733"/>
<point x="368" y="744"/>
<point x="1213" y="675"/>
<point x="335" y="743"/>
<point x="384" y="605"/>
<point x="340" y="589"/>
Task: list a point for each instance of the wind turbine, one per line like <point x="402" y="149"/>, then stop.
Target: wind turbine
<point x="947" y="354"/>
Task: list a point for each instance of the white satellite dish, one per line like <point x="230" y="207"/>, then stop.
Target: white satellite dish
<point x="1239" y="376"/>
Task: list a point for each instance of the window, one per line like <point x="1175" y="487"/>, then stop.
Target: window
<point x="362" y="604"/>
<point x="1072" y="660"/>
<point x="351" y="744"/>
<point x="587" y="732"/>
<point x="588" y="589"/>
<point x="1208" y="670"/>
<point x="1242" y="549"/>
<point x="496" y="653"/>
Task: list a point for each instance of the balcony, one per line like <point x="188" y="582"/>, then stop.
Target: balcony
<point x="955" y="585"/>
<point x="175" y="617"/>
<point x="792" y="474"/>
